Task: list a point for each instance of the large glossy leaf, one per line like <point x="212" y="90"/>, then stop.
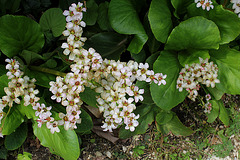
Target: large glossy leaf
<point x="152" y="42"/>
<point x="195" y="33"/>
<point x="180" y="6"/>
<point x="192" y="56"/>
<point x="160" y="19"/>
<point x="9" y="6"/>
<point x="86" y="123"/>
<point x="42" y="78"/>
<point x="109" y="45"/>
<point x="103" y="20"/>
<point x="140" y="57"/>
<point x="3" y="152"/>
<point x="19" y="33"/>
<point x="223" y="114"/>
<point x="16" y="139"/>
<point x="27" y="111"/>
<point x="164" y="117"/>
<point x="214" y="112"/>
<point x="30" y="56"/>
<point x="177" y="128"/>
<point x="147" y="115"/>
<point x="151" y="59"/>
<point x="65" y="143"/>
<point x="53" y="20"/>
<point x="12" y="121"/>
<point x="228" y="61"/>
<point x="167" y="96"/>
<point x="147" y="95"/>
<point x="124" y="19"/>
<point x="3" y="83"/>
<point x="227" y="21"/>
<point x="90" y="17"/>
<point x="216" y="93"/>
<point x="2" y="70"/>
<point x="89" y="97"/>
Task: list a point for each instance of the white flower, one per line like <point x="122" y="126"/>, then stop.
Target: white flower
<point x="131" y="122"/>
<point x="206" y="4"/>
<point x="53" y="126"/>
<point x="179" y="85"/>
<point x="137" y="94"/>
<point x="160" y="78"/>
<point x="212" y="80"/>
<point x="3" y="103"/>
<point x="108" y="125"/>
<point x="64" y="121"/>
<point x="11" y="97"/>
<point x="58" y="95"/>
<point x="30" y="99"/>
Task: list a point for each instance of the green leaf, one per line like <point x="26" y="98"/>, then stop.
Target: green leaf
<point x="164" y="117"/>
<point x="147" y="95"/>
<point x="53" y="20"/>
<point x="86" y="123"/>
<point x="227" y="21"/>
<point x="124" y="19"/>
<point x="228" y="61"/>
<point x="160" y="19"/>
<point x="192" y="56"/>
<point x="194" y="33"/>
<point x="214" y="112"/>
<point x="3" y="83"/>
<point x="26" y="36"/>
<point x="27" y="111"/>
<point x="167" y="96"/>
<point x="43" y="79"/>
<point x="90" y="17"/>
<point x="24" y="156"/>
<point x="65" y="143"/>
<point x="103" y="20"/>
<point x="2" y="70"/>
<point x="30" y="56"/>
<point x="12" y="121"/>
<point x="10" y="6"/>
<point x="152" y="42"/>
<point x="89" y="97"/>
<point x="16" y="139"/>
<point x="177" y="128"/>
<point x="151" y="59"/>
<point x="137" y="43"/>
<point x="140" y="57"/>
<point x="51" y="63"/>
<point x="181" y="6"/>
<point x="3" y="152"/>
<point x="64" y="5"/>
<point x="216" y="93"/>
<point x="146" y="113"/>
<point x="109" y="45"/>
<point x="223" y="114"/>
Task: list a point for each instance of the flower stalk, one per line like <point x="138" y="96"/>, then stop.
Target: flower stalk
<point x="47" y="70"/>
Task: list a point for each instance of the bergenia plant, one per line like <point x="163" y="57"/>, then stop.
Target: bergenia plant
<point x="133" y="61"/>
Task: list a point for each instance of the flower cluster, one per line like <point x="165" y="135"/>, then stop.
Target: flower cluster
<point x="205" y="4"/>
<point x="207" y="105"/>
<point x="74" y="29"/>
<point x="113" y="80"/>
<point x="190" y="77"/>
<point x="24" y="86"/>
<point x="17" y="86"/>
<point x="236" y="6"/>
